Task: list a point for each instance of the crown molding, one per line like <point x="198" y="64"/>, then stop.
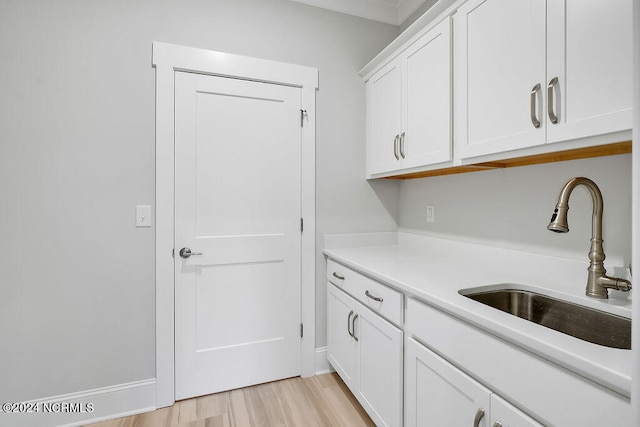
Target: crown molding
<point x="393" y="12"/>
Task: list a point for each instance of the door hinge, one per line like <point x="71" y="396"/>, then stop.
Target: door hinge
<point x="301" y="330"/>
<point x="302" y="114"/>
<point x="301" y="225"/>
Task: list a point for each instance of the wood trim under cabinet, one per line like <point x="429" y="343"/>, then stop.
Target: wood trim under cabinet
<point x="558" y="156"/>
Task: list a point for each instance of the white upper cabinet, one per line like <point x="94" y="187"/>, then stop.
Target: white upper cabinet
<point x="499" y="48"/>
<point x="426" y="94"/>
<point x="384" y="117"/>
<point x="589" y="54"/>
<point x="528" y="72"/>
<point x="409" y="106"/>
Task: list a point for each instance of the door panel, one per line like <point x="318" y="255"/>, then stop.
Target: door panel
<point x="340" y="345"/>
<point x="385" y="118"/>
<point x="500" y="57"/>
<point x="438" y="394"/>
<point x="238" y="203"/>
<point x="589" y="50"/>
<point x="427" y="65"/>
<point x="379" y="361"/>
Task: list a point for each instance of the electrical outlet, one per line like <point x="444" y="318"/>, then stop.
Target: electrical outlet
<point x="431" y="213"/>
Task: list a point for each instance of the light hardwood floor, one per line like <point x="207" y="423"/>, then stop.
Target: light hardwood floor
<point x="323" y="400"/>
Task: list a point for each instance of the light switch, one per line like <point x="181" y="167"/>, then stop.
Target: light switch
<point x="143" y="216"/>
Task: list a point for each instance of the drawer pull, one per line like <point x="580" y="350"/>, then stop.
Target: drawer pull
<point x="349" y="323"/>
<point x="550" y="87"/>
<point x="354" y="327"/>
<point x="479" y="416"/>
<point x="395" y="147"/>
<point x="375" y="298"/>
<point x="533" y="94"/>
<point x="338" y="276"/>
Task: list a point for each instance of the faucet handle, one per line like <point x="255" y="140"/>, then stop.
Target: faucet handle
<point x="614" y="283"/>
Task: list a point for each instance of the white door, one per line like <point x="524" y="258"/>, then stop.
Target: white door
<point x="499" y="48"/>
<point x="438" y="394"/>
<point x="589" y="54"/>
<point x="237" y="208"/>
<point x="341" y="347"/>
<point x="427" y="99"/>
<point x="384" y="116"/>
<point x="379" y="367"/>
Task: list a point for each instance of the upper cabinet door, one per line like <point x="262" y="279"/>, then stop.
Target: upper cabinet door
<point x="426" y="137"/>
<point x="589" y="56"/>
<point x="499" y="48"/>
<point x="384" y="105"/>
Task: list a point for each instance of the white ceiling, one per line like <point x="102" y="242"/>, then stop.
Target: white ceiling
<point x="389" y="11"/>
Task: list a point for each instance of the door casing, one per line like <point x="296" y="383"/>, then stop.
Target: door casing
<point x="167" y="59"/>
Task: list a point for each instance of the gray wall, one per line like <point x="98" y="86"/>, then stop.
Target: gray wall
<point x="512" y="207"/>
<point x="77" y="154"/>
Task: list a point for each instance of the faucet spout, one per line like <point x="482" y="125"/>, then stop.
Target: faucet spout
<point x="598" y="282"/>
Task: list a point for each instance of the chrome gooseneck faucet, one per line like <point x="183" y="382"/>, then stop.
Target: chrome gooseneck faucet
<point x="597" y="281"/>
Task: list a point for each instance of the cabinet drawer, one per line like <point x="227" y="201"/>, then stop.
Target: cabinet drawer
<point x="378" y="297"/>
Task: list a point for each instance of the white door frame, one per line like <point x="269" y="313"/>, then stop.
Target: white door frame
<point x="167" y="59"/>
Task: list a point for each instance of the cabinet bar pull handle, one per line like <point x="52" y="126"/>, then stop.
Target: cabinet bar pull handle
<point x="479" y="416"/>
<point x="349" y="323"/>
<point x="395" y="147"/>
<point x="353" y="326"/>
<point x="375" y="298"/>
<point x="550" y="87"/>
<point x="402" y="146"/>
<point x="337" y="276"/>
<point x="534" y="93"/>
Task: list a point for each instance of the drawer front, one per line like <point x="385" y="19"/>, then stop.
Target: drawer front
<point x="378" y="297"/>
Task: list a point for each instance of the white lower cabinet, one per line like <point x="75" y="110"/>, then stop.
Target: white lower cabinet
<point x="547" y="392"/>
<point x="341" y="347"/>
<point x="366" y="351"/>
<point x="505" y="415"/>
<point x="412" y="364"/>
<point x="439" y="394"/>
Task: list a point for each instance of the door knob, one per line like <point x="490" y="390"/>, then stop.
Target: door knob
<point x="186" y="253"/>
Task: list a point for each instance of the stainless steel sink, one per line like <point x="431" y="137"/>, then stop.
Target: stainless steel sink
<point x="579" y="321"/>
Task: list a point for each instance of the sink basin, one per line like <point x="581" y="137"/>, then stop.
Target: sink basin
<point x="579" y="321"/>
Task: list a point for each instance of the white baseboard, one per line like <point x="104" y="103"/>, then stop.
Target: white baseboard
<point x="90" y="406"/>
<point x="322" y="364"/>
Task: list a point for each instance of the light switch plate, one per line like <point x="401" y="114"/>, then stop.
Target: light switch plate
<point x="143" y="216"/>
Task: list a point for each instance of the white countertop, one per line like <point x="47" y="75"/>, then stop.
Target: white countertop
<point x="434" y="270"/>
